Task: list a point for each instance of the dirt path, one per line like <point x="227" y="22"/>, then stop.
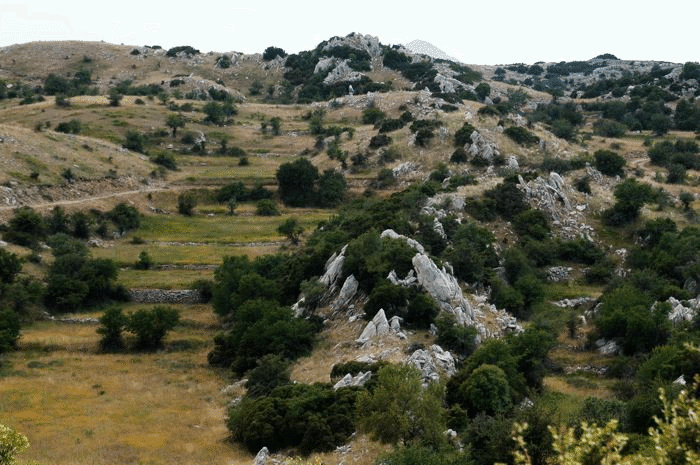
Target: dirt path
<point x="83" y="200"/>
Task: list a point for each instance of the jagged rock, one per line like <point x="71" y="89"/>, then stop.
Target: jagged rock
<point x="680" y="380"/>
<point x="390" y="233"/>
<point x="404" y="169"/>
<point x="377" y="327"/>
<point x="480" y="147"/>
<point x="512" y="163"/>
<point x="607" y="347"/>
<point x="431" y="362"/>
<point x="261" y="457"/>
<point x="349" y="380"/>
<point x="324" y="64"/>
<point x="572" y="303"/>
<point x="347" y="292"/>
<point x="438" y="228"/>
<point x="680" y="313"/>
<point x="557" y="274"/>
<point x="334" y="268"/>
<point x="342" y="73"/>
<point x="408" y="281"/>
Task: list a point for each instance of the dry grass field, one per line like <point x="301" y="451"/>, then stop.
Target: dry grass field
<point x="78" y="406"/>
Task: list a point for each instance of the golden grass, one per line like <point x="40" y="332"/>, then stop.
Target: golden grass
<point x="162" y="279"/>
<point x="77" y="406"/>
<point x="224" y="228"/>
<point x="126" y="254"/>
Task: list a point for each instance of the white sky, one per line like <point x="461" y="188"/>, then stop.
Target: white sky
<point x="476" y="32"/>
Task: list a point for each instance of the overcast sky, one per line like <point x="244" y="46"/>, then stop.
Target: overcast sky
<point x="475" y="32"/>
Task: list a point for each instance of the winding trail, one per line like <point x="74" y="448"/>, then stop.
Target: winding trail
<point x="82" y="200"/>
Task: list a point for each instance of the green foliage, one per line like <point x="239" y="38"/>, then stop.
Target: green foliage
<point x="531" y="223"/>
<point x="292" y="229"/>
<point x="609" y="163"/>
<point x="266" y="207"/>
<point x="151" y="326"/>
<point x="271" y="53"/>
<point x="10" y="265"/>
<point x="271" y="371"/>
<point x="463" y="135"/>
<point x="260" y="327"/>
<point x="296" y="182"/>
<point x="414" y="454"/>
<point x="372" y="116"/>
<point x="307" y="417"/>
<point x="331" y="189"/>
<point x="74" y="280"/>
<point x="181" y="49"/>
<point x="71" y="127"/>
<point x="11" y="444"/>
<point x="471" y="253"/>
<point x="145" y="262"/>
<point x="174" y="121"/>
<point x="608" y="128"/>
<point x="454" y="337"/>
<point x="380" y="140"/>
<point x="521" y="136"/>
<point x="370" y="259"/>
<point x="25" y="228"/>
<point x="400" y="409"/>
<point x="214" y="113"/>
<point x="627" y="316"/>
<point x="482" y="90"/>
<point x="486" y="390"/>
<point x="631" y="196"/>
<point x="135" y="141"/>
<point x="112" y="323"/>
<point x="459" y="156"/>
<point x="672" y="440"/>
<point x="186" y="202"/>
<point x="125" y="217"/>
<point x="9" y="330"/>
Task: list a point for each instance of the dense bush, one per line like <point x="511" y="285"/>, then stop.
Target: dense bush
<point x="260" y="327"/>
<point x="631" y="196"/>
<point x="75" y="281"/>
<point x="184" y="49"/>
<point x="271" y="53"/>
<point x="400" y="409"/>
<point x="380" y="140"/>
<point x="296" y="182"/>
<point x="521" y="135"/>
<point x="309" y="418"/>
<point x="9" y="330"/>
<point x="151" y="326"/>
<point x="26" y="227"/>
<point x="609" y="163"/>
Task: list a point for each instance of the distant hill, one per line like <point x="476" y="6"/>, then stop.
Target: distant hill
<point x="426" y="48"/>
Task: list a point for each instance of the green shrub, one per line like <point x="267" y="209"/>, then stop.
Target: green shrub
<point x="487" y="391"/>
<point x="112" y="323"/>
<point x="151" y="326"/>
<point x="454" y="337"/>
<point x="521" y="135"/>
<point x="186" y="202"/>
<point x="184" y="49"/>
<point x="609" y="163"/>
<point x="380" y="140"/>
<point x="71" y="127"/>
<point x="9" y="330"/>
<point x="296" y="182"/>
<point x="271" y="53"/>
<point x="266" y="207"/>
<point x="372" y="116"/>
<point x="25" y="228"/>
<point x="459" y="156"/>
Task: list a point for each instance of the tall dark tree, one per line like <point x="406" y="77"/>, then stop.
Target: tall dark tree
<point x="296" y="182"/>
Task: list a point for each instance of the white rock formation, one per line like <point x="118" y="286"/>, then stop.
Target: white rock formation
<point x="377" y="327"/>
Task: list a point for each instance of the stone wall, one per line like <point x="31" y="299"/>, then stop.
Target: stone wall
<point x="161" y="296"/>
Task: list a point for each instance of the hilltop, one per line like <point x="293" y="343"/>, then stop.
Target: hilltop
<point x="526" y="233"/>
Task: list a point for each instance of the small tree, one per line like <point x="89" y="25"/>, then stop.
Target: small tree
<point x="151" y="326"/>
<point x="686" y="199"/>
<point x="186" y="202"/>
<point x="9" y="331"/>
<point x="174" y="121"/>
<point x="11" y="444"/>
<point x="292" y="229"/>
<point x="145" y="262"/>
<point x="112" y="323"/>
<point x="609" y="163"/>
<point x="114" y="98"/>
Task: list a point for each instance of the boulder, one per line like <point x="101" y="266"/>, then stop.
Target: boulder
<point x="346" y="294"/>
<point x="350" y="381"/>
<point x="377" y="327"/>
<point x="431" y="363"/>
<point x="334" y="268"/>
<point x="261" y="457"/>
<point x="390" y="233"/>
